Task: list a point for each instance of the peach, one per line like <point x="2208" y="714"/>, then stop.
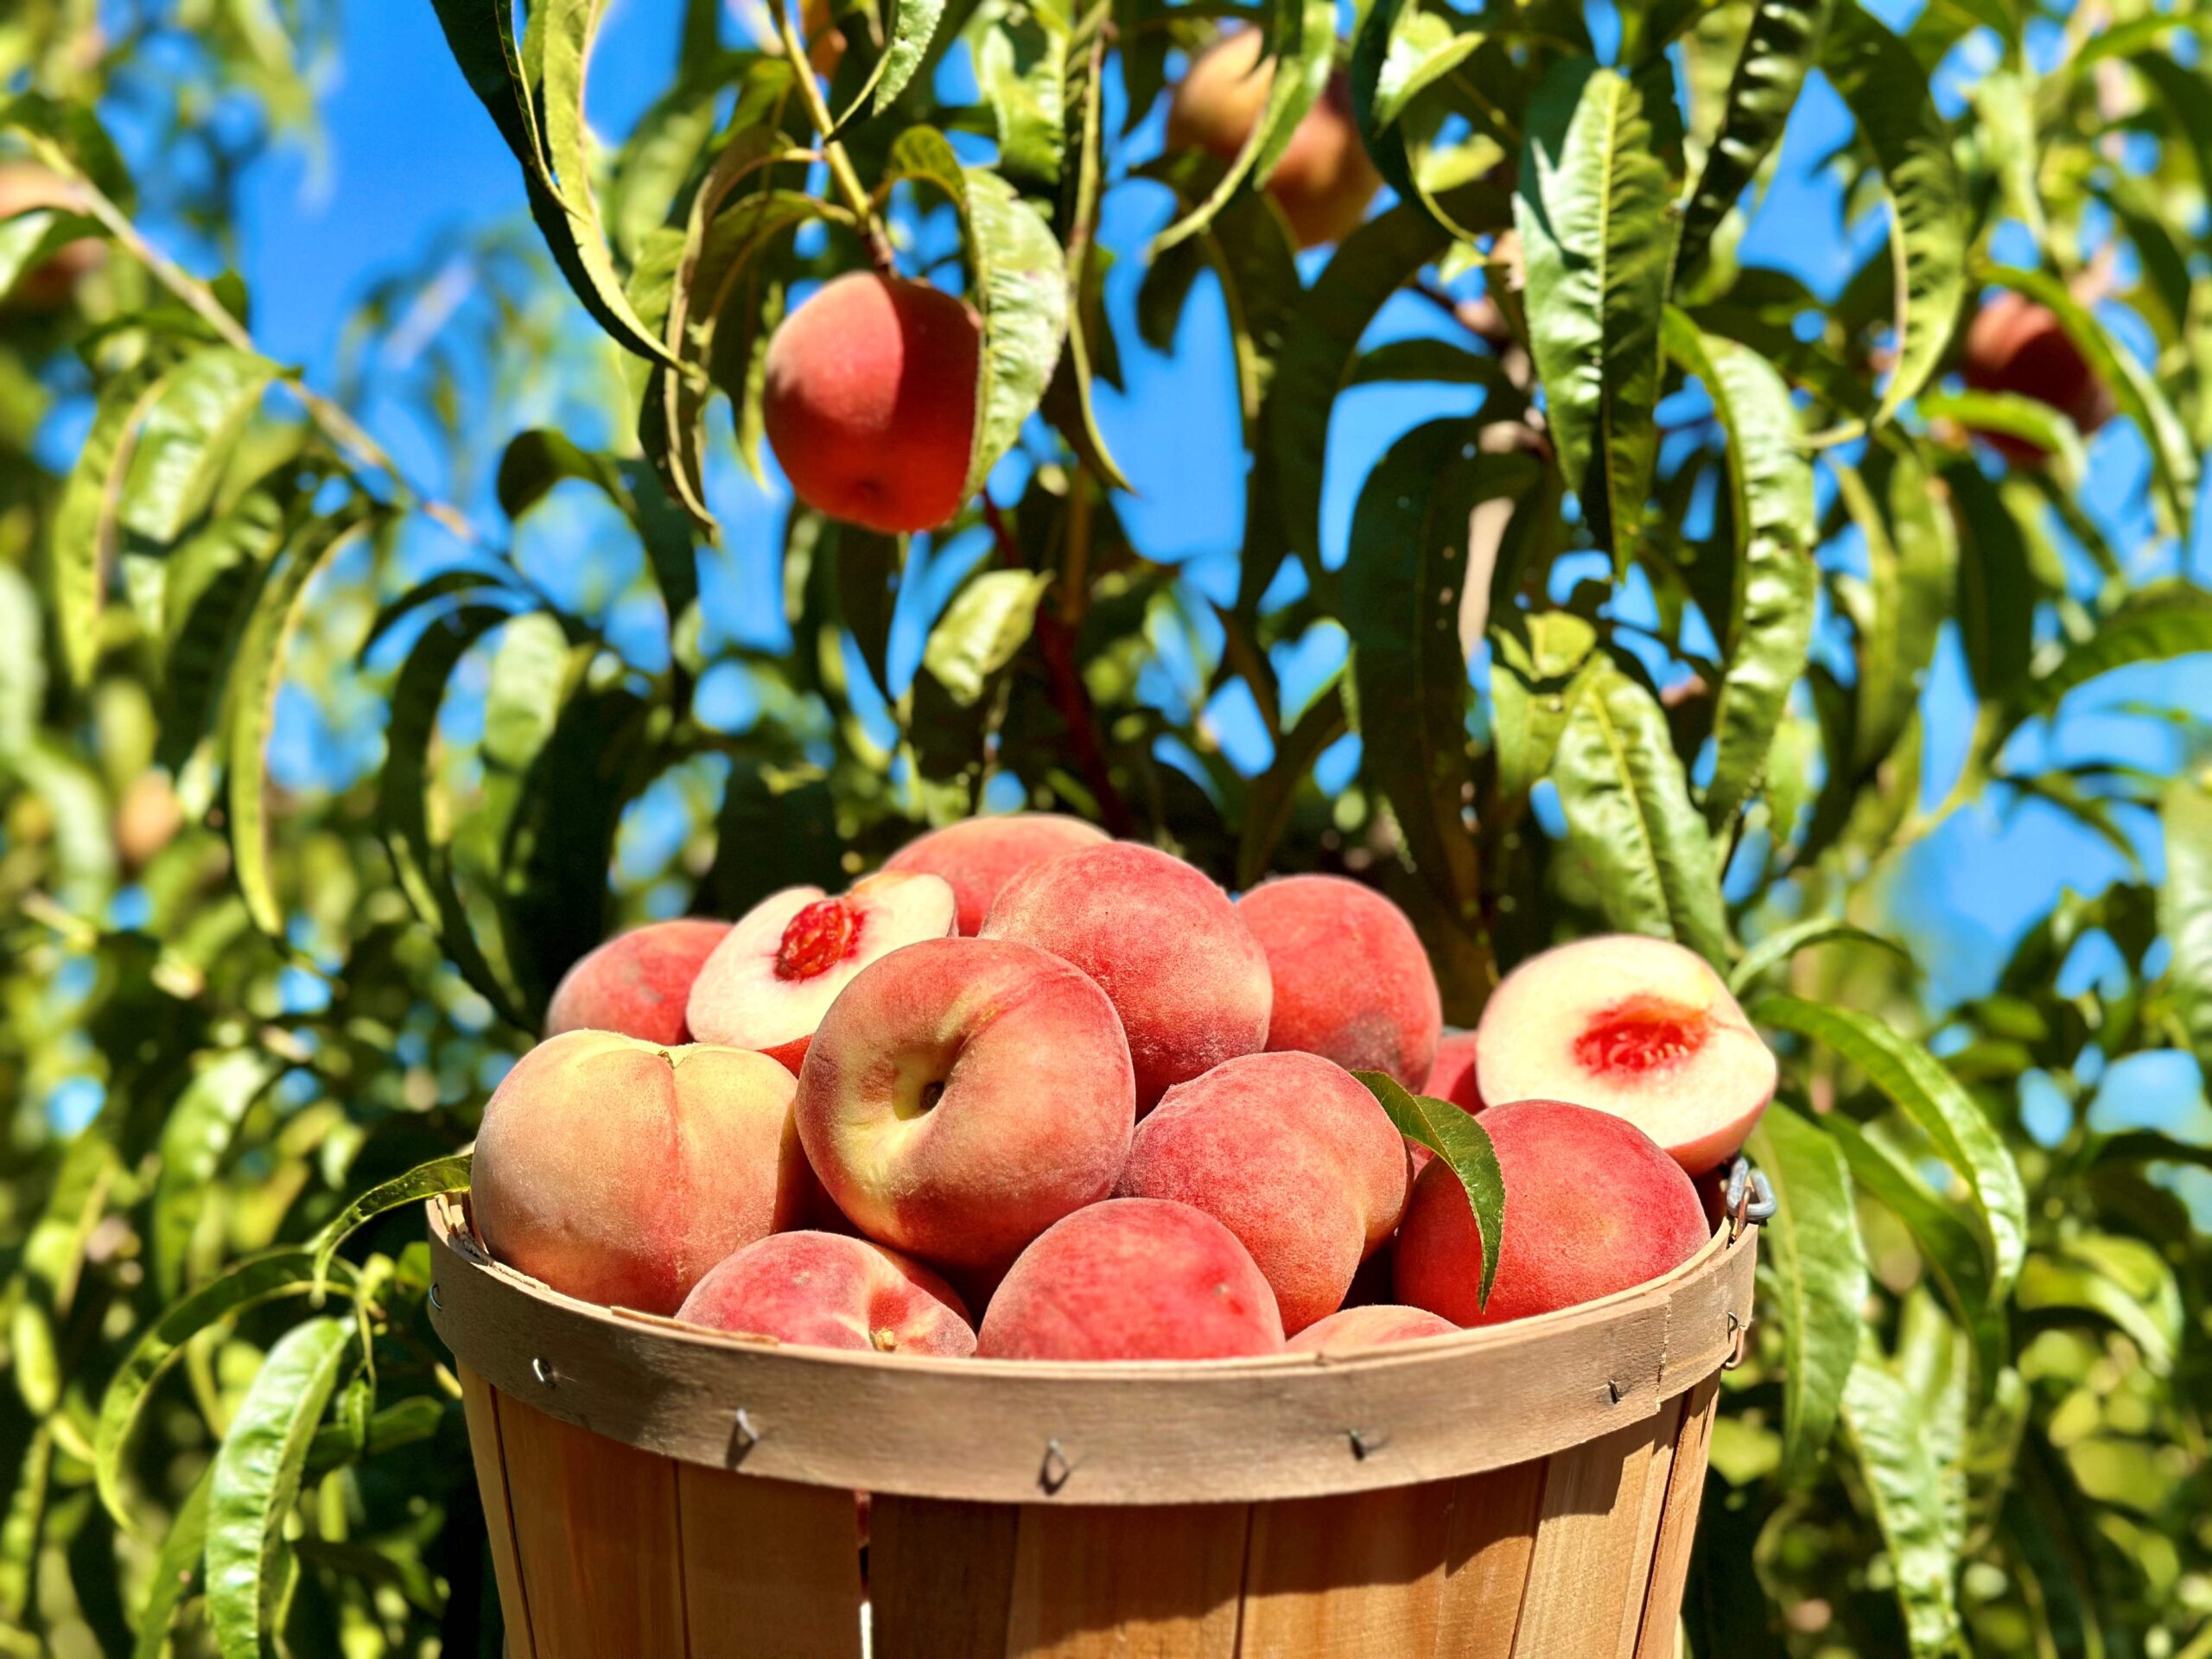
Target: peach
<point x="1184" y="972"/>
<point x="620" y="1172"/>
<point x="980" y="855"/>
<point x="869" y="401"/>
<point x="1291" y="1155"/>
<point x="963" y="1095"/>
<point x="824" y="1290"/>
<point x="638" y="983"/>
<point x="1324" y="180"/>
<point x="1452" y="1076"/>
<point x="1351" y="982"/>
<point x="1592" y="1205"/>
<point x="1639" y="1028"/>
<point x="148" y="816"/>
<point x="2015" y="345"/>
<point x="1135" y="1279"/>
<point x="774" y="975"/>
<point x="1368" y="1328"/>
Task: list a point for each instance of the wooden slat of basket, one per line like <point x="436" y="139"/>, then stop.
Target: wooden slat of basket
<point x="1127" y="1583"/>
<point x="1668" y="1438"/>
<point x="1358" y="1576"/>
<point x="1488" y="1541"/>
<point x="595" y="1531"/>
<point x="1670" y="1563"/>
<point x="771" y="1569"/>
<point x="1587" y="1535"/>
<point x="486" y="1452"/>
<point x="940" y="1576"/>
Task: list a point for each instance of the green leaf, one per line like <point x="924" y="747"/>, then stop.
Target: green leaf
<point x="979" y="633"/>
<point x="2173" y="460"/>
<point x="256" y="680"/>
<point x="176" y="1569"/>
<point x="1402" y="577"/>
<point x="1780" y="946"/>
<point x="869" y="567"/>
<point x="255" y="1480"/>
<point x="403" y="805"/>
<point x="85" y="518"/>
<point x="721" y="278"/>
<point x="1018" y="283"/>
<point x="1912" y="556"/>
<point x="1458" y="1138"/>
<point x="1321" y="346"/>
<point x="189" y="437"/>
<point x="1411" y="71"/>
<point x="913" y="25"/>
<point x="424" y="1181"/>
<point x="1534" y="661"/>
<point x="1887" y="91"/>
<point x="1812" y="1246"/>
<point x="1302" y="44"/>
<point x="1267" y="809"/>
<point x="257" y="1279"/>
<point x="2153" y="624"/>
<point x="1597" y="235"/>
<point x="533" y="671"/>
<point x="1629" y="818"/>
<point x="480" y="34"/>
<point x="2121" y="1279"/>
<point x="1771" y="483"/>
<point x="1997" y="585"/>
<point x="1918" y="1085"/>
<point x="1906" y="1486"/>
<point x="1021" y="70"/>
<point x="1783" y="42"/>
<point x="23" y="1526"/>
<point x="2016" y="416"/>
<point x="194" y="1137"/>
<point x="2185" y="903"/>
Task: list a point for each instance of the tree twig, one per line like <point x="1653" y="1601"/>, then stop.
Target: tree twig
<point x="337" y="424"/>
<point x="840" y="164"/>
<point x="1056" y="645"/>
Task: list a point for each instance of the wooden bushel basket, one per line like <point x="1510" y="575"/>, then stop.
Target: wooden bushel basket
<point x="654" y="1492"/>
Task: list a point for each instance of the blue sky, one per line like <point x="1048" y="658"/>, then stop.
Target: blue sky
<point x="408" y="154"/>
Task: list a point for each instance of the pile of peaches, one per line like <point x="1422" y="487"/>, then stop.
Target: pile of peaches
<point x="1028" y="1093"/>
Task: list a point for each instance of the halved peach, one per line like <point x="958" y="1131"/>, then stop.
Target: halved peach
<point x="770" y="981"/>
<point x="1639" y="1028"/>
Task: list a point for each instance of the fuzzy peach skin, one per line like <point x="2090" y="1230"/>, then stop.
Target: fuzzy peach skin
<point x="1132" y="1279"/>
<point x="1351" y="982"/>
<point x="980" y="855"/>
<point x="2017" y="345"/>
<point x="1184" y="972"/>
<point x="1639" y="1028"/>
<point x="1592" y="1205"/>
<point x="1451" y="1074"/>
<point x="1368" y="1328"/>
<point x="869" y="401"/>
<point x="774" y="975"/>
<point x="1325" y="179"/>
<point x="824" y="1290"/>
<point x="963" y="1095"/>
<point x="638" y="983"/>
<point x="619" y="1172"/>
<point x="1291" y="1155"/>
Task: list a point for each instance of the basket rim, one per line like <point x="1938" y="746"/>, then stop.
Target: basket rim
<point x="463" y="1242"/>
<point x="1115" y="1432"/>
